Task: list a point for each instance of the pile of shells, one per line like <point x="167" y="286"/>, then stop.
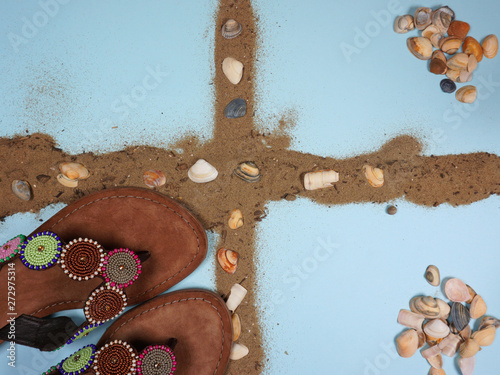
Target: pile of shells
<point x="71" y="173"/>
<point x="236" y="296"/>
<point x="440" y="30"/>
<point x="445" y="329"/>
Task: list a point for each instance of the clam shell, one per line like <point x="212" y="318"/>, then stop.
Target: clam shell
<point x="235" y="219"/>
<point x="477" y="307"/>
<point x="235" y="297"/>
<point x="465" y="333"/>
<point x="489" y="321"/>
<point x="436" y="329"/>
<point x="466" y="94"/>
<point x="236" y="326"/>
<point x="65" y="181"/>
<point x="436" y="39"/>
<point x="442" y="18"/>
<point x="460" y="316"/>
<point x="436" y="361"/>
<point x="437" y="54"/>
<point x="431" y="352"/>
<point x="421" y="338"/>
<point x="427" y="306"/>
<point x="375" y="176"/>
<point x="444" y="309"/>
<point x="490" y="46"/>
<point x="74" y="171"/>
<point x="467" y="365"/>
<point x="469" y="348"/>
<point x="420" y="47"/>
<point x="228" y="260"/>
<point x="22" y="189"/>
<point x="472" y="47"/>
<point x="430" y="31"/>
<point x="407" y="343"/>
<point x="459" y="61"/>
<point x="233" y="70"/>
<point x="403" y="24"/>
<point x="436" y="371"/>
<point x="238" y="351"/>
<point x="247" y="171"/>
<point x="438" y="66"/>
<point x="422" y="18"/>
<point x="472" y="65"/>
<point x="236" y="108"/>
<point x="472" y="293"/>
<point x="231" y="29"/>
<point x="450" y="344"/>
<point x="464" y="76"/>
<point x="202" y="172"/>
<point x="450" y="45"/>
<point x="459" y="29"/>
<point x="411" y="319"/>
<point x="432" y="274"/>
<point x="456" y="290"/>
<point x="485" y="336"/>
<point x="453" y="74"/>
<point x="320" y="179"/>
<point x="154" y="178"/>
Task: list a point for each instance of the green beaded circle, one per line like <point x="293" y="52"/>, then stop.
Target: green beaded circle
<point x="78" y="362"/>
<point x="11" y="248"/>
<point x="82" y="332"/>
<point x="41" y="250"/>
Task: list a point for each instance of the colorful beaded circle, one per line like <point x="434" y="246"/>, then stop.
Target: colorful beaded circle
<point x="121" y="267"/>
<point x="41" y="251"/>
<point x="11" y="248"/>
<point x="78" y="362"/>
<point x="116" y="357"/>
<point x="82" y="332"/>
<point x="82" y="259"/>
<point x="156" y="360"/>
<point x="104" y="304"/>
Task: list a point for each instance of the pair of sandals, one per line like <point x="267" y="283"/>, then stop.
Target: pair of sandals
<point x="154" y="243"/>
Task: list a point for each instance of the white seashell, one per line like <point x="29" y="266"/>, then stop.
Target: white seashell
<point x="444" y="309"/>
<point x="449" y="345"/>
<point x="202" y="172"/>
<point x="436" y="328"/>
<point x="375" y="176"/>
<point x="238" y="351"/>
<point x="235" y="219"/>
<point x="236" y="296"/>
<point x="231" y="29"/>
<point x="431" y="352"/>
<point x="320" y="179"/>
<point x="403" y="24"/>
<point x="233" y="70"/>
<point x="411" y="319"/>
<point x="74" y="171"/>
<point x="467" y="365"/>
<point x="65" y="181"/>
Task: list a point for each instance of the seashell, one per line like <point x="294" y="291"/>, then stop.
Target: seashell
<point x="427" y="306"/>
<point x="403" y="24"/>
<point x="233" y="70"/>
<point x="430" y="31"/>
<point x="231" y="29"/>
<point x="485" y="336"/>
<point x="465" y="333"/>
<point x="238" y="351"/>
<point x="320" y="179"/>
<point x="464" y="76"/>
<point x="472" y="64"/>
<point x="435" y="371"/>
<point x="154" y="178"/>
<point x="247" y="171"/>
<point x="420" y="47"/>
<point x="490" y="46"/>
<point x="459" y="61"/>
<point x="450" y="45"/>
<point x="422" y="18"/>
<point x="375" y="176"/>
<point x="456" y="290"/>
<point x="228" y="260"/>
<point x="469" y="348"/>
<point x="431" y="352"/>
<point x="448" y="86"/>
<point x="22" y="189"/>
<point x="444" y="309"/>
<point x="472" y="293"/>
<point x="438" y="54"/>
<point x="442" y="18"/>
<point x="460" y="316"/>
<point x="407" y="343"/>
<point x="236" y="108"/>
<point x="436" y="329"/>
<point x="453" y="75"/>
<point x="438" y="66"/>
<point x="489" y="321"/>
<point x="436" y="361"/>
<point x="421" y="338"/>
<point x="450" y="344"/>
<point x="477" y="307"/>
<point x="466" y="94"/>
<point x="432" y="275"/>
<point x="236" y="326"/>
<point x="459" y="29"/>
<point x="235" y="297"/>
<point x="74" y="171"/>
<point x="235" y="219"/>
<point x="472" y="47"/>
<point x="467" y="365"/>
<point x="411" y="319"/>
<point x="65" y="181"/>
<point x="436" y="39"/>
<point x="202" y="172"/>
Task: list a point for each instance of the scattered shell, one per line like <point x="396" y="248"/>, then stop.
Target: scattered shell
<point x="437" y="54"/>
<point x="477" y="307"/>
<point x="459" y="61"/>
<point x="444" y="309"/>
<point x="469" y="348"/>
<point x="427" y="306"/>
<point x="472" y="65"/>
<point x="456" y="290"/>
<point x="65" y="181"/>
<point x="459" y="29"/>
<point x="436" y="39"/>
<point x="202" y="172"/>
<point x="228" y="260"/>
<point x="74" y="171"/>
<point x="450" y="344"/>
<point x="422" y="18"/>
<point x="238" y="351"/>
<point x="431" y="352"/>
<point x="467" y="365"/>
<point x="485" y="336"/>
<point x="247" y="171"/>
<point x="466" y="94"/>
<point x="320" y="179"/>
<point x="436" y="329"/>
<point x="490" y="46"/>
<point x="435" y="371"/>
<point x="450" y="45"/>
<point x="392" y="210"/>
<point x="453" y="74"/>
<point x="154" y="178"/>
<point x="430" y="31"/>
<point x="235" y="219"/>
<point x="432" y="275"/>
<point x="231" y="29"/>
<point x="235" y="297"/>
<point x="420" y="47"/>
<point x="472" y="47"/>
<point x="233" y="70"/>
<point x="448" y="86"/>
<point x="236" y="326"/>
<point x="236" y="108"/>
<point x="407" y="343"/>
<point x="438" y="66"/>
<point x="22" y="189"/>
<point x="403" y="24"/>
<point x="489" y="321"/>
<point x="442" y="18"/>
<point x="472" y="293"/>
<point x="436" y="361"/>
<point x="465" y="333"/>
<point x="464" y="76"/>
<point x="375" y="176"/>
<point x="411" y="319"/>
<point x="460" y="316"/>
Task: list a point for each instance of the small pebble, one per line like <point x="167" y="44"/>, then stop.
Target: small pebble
<point x="448" y="86"/>
<point x="391" y="210"/>
<point x="290" y="197"/>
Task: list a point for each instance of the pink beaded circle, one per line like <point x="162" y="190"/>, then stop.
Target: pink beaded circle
<point x="156" y="360"/>
<point x="121" y="267"/>
<point x="11" y="248"/>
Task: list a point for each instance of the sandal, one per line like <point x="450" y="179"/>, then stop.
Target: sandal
<point x="180" y="333"/>
<point x="147" y="222"/>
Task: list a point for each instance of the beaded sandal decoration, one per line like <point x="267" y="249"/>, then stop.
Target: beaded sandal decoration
<point x="11" y="248"/>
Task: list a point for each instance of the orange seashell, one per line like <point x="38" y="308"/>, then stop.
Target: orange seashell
<point x="438" y="66"/>
<point x="460" y="29"/>
<point x="228" y="260"/>
<point x="450" y="45"/>
<point x="490" y="46"/>
<point x="472" y="47"/>
<point x="154" y="178"/>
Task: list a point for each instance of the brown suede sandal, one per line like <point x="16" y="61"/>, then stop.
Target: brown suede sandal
<point x="150" y="224"/>
<point x="187" y="332"/>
